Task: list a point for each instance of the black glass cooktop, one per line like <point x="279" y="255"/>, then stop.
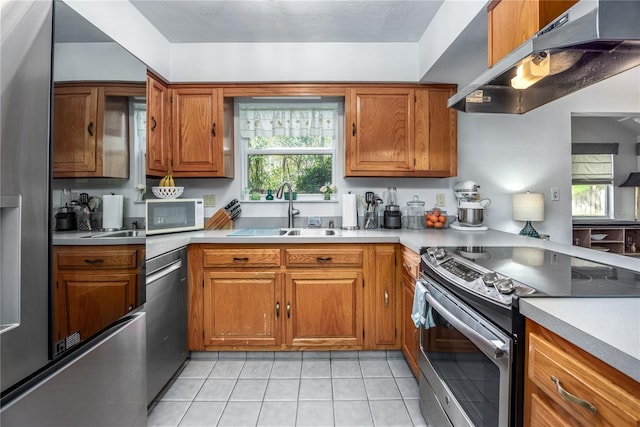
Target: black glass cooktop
<point x="555" y="274"/>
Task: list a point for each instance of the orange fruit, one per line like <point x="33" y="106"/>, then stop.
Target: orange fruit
<point x="442" y="219"/>
<point x="439" y="225"/>
<point x="430" y="224"/>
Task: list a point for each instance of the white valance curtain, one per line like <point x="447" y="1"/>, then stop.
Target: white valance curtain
<point x="285" y="120"/>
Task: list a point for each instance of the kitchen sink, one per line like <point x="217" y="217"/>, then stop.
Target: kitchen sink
<point x="311" y="232"/>
<point x="117" y="234"/>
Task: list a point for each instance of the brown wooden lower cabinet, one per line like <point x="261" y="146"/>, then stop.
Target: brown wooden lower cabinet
<point x="566" y="386"/>
<point x="93" y="286"/>
<point x="324" y="308"/>
<point x="240" y="308"/>
<point x="293" y="297"/>
<point x="410" y="337"/>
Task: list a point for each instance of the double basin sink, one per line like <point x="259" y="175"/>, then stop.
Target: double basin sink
<point x="284" y="232"/>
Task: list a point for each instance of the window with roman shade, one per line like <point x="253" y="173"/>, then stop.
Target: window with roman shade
<point x="592" y="179"/>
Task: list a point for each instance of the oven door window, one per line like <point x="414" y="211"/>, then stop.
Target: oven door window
<point x="469" y="355"/>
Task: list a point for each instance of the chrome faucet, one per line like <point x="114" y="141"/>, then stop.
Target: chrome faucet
<point x="291" y="212"/>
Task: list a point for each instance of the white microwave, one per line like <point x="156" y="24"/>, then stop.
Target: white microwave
<point x="174" y="215"/>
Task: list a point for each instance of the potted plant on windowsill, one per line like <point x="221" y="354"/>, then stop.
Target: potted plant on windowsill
<point x="328" y="190"/>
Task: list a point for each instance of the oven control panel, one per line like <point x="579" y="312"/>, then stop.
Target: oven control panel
<point x="457" y="271"/>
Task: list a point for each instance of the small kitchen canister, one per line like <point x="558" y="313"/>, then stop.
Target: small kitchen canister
<point x="415" y="214"/>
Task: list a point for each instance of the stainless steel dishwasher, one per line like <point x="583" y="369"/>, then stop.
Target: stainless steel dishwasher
<point x="166" y="308"/>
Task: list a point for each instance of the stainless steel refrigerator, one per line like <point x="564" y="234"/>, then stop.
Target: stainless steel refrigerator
<point x="103" y="381"/>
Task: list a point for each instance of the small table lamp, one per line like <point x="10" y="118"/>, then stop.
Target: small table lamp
<point x="633" y="181"/>
<point x="528" y="207"/>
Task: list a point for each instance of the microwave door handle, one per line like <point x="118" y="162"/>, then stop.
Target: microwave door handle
<point x="487" y="346"/>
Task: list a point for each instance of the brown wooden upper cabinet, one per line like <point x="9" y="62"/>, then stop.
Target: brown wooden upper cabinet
<point x="400" y="131"/>
<point x="158" y="127"/>
<point x="187" y="133"/>
<point x="91" y="130"/>
<point x="512" y="22"/>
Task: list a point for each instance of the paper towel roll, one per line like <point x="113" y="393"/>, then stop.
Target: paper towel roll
<point x="349" y="211"/>
<point x="112" y="211"/>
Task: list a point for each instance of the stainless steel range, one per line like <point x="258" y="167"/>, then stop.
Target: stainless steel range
<point x="472" y="334"/>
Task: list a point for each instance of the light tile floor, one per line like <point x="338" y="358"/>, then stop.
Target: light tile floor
<point x="291" y="389"/>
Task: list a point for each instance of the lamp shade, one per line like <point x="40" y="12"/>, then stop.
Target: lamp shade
<point x="528" y="207"/>
<point x="632" y="181"/>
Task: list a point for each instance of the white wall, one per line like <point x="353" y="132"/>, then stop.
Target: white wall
<point x="97" y="62"/>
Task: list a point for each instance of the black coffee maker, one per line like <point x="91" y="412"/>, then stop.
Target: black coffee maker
<point x="66" y="219"/>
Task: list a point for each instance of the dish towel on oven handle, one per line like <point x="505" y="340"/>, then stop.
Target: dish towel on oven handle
<point x="420" y="314"/>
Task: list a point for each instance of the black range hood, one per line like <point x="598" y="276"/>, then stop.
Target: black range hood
<point x="592" y="41"/>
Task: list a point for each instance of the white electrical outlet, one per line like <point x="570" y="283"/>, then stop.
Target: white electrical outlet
<point x="440" y="199"/>
<point x="555" y="194"/>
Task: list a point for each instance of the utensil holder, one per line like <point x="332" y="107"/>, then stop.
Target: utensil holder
<point x="370" y="220"/>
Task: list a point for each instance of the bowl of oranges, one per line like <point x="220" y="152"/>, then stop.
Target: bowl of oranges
<point x="436" y="219"/>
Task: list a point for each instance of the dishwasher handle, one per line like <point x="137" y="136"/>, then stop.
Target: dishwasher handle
<point x="164" y="271"/>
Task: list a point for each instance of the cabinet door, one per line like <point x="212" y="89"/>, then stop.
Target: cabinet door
<point x="436" y="147"/>
<point x="197" y="133"/>
<point x="324" y="309"/>
<point x="75" y="130"/>
<point x="410" y="337"/>
<point x="384" y="302"/>
<point x="379" y="131"/>
<point x="242" y="308"/>
<point x="93" y="299"/>
<point x="158" y="126"/>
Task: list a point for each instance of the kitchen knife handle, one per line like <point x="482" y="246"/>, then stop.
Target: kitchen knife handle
<point x="213" y="129"/>
<point x="90" y="128"/>
<point x="353" y="129"/>
<point x="277" y="309"/>
<point x="153" y="123"/>
<point x="386" y="298"/>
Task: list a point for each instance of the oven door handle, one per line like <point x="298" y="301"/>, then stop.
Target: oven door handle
<point x="486" y="345"/>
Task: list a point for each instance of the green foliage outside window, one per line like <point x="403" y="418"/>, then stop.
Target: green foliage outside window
<point x="306" y="172"/>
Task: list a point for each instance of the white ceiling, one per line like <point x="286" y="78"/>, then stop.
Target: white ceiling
<point x="289" y="20"/>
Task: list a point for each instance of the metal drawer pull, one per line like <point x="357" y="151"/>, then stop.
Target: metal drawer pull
<point x="277" y="309"/>
<point x="94" y="261"/>
<point x="324" y="258"/>
<point x="154" y="123"/>
<point x="90" y="128"/>
<point x="241" y="258"/>
<point x="386" y="298"/>
<point x="571" y="398"/>
<point x="213" y="129"/>
<point x="288" y="310"/>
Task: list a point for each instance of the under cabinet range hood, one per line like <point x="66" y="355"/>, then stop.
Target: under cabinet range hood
<point x="592" y="41"/>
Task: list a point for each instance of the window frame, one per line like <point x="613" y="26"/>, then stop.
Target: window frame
<point x="609" y="189"/>
<point x="245" y="151"/>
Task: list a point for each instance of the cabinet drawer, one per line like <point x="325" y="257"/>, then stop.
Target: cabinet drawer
<point x="344" y="257"/>
<point x="241" y="257"/>
<point x="585" y="379"/>
<point x="410" y="263"/>
<point x="92" y="257"/>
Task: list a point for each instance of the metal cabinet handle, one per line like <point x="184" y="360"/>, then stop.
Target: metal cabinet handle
<point x="130" y="307"/>
<point x="241" y="258"/>
<point x="90" y="128"/>
<point x="213" y="129"/>
<point x="324" y="258"/>
<point x="94" y="261"/>
<point x="288" y="310"/>
<point x="277" y="309"/>
<point x="353" y="129"/>
<point x="571" y="398"/>
<point x="386" y="298"/>
<point x="154" y="123"/>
